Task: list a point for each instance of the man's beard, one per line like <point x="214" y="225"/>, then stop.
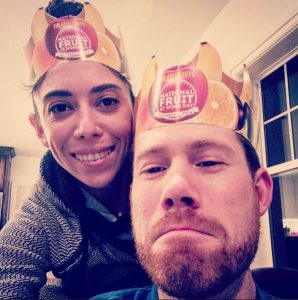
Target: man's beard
<point x="187" y="269"/>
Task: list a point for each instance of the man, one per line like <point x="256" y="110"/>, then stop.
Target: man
<point x="198" y="190"/>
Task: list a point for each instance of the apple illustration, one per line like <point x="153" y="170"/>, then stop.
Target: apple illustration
<point x="71" y="38"/>
<point x="179" y="94"/>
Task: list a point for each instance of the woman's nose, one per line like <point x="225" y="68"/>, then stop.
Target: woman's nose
<point x="88" y="126"/>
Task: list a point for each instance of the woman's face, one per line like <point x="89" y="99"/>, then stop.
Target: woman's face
<point x="85" y="117"/>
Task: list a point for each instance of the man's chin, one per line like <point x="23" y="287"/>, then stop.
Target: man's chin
<point x="176" y="276"/>
<point x="184" y="281"/>
<point x="192" y="285"/>
<point x="186" y="270"/>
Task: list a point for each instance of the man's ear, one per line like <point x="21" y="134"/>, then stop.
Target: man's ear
<point x="264" y="187"/>
<point x="35" y="122"/>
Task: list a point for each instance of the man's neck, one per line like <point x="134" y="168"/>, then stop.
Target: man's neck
<point x="248" y="288"/>
<point x="243" y="288"/>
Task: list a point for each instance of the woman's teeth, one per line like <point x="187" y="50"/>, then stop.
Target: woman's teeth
<point x="93" y="156"/>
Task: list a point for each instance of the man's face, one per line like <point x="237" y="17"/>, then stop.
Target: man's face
<point x="195" y="208"/>
<point x="85" y="117"/>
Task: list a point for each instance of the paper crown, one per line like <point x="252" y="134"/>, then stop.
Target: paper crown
<point x="81" y="37"/>
<point x="199" y="92"/>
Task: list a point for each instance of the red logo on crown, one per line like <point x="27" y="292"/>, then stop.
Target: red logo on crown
<point x="71" y="38"/>
<point x="180" y="96"/>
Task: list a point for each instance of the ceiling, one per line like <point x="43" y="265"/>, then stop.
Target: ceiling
<point x="166" y="28"/>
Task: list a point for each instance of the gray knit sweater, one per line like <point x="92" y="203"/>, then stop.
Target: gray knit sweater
<point x="55" y="231"/>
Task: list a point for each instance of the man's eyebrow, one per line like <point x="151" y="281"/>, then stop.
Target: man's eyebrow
<point x="103" y="87"/>
<point x="150" y="151"/>
<point x="193" y="145"/>
<point x="57" y="93"/>
<point x="201" y="144"/>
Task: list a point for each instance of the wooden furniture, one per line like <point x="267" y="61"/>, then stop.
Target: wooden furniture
<point x="6" y="155"/>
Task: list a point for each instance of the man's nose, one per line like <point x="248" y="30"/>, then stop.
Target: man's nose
<point x="178" y="192"/>
<point x="88" y="126"/>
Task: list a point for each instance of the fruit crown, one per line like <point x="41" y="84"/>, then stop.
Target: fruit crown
<point x="199" y="92"/>
<point x="72" y="31"/>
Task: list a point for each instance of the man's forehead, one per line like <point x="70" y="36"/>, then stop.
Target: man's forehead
<point x="187" y="137"/>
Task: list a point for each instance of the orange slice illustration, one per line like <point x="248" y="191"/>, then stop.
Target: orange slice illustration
<point x="39" y="25"/>
<point x="149" y="77"/>
<point x="107" y="52"/>
<point x="220" y="108"/>
<point x="42" y="60"/>
<point x="144" y="119"/>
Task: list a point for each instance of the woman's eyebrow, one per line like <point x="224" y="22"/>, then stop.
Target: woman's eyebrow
<point x="66" y="93"/>
<point x="104" y="87"/>
<point x="57" y="93"/>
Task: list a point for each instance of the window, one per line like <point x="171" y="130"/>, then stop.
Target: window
<point x="285" y="199"/>
<point x="279" y="94"/>
<point x="280" y="113"/>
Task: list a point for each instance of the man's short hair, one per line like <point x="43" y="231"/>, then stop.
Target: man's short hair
<point x="251" y="155"/>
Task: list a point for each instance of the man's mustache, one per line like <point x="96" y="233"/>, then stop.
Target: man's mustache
<point x="186" y="219"/>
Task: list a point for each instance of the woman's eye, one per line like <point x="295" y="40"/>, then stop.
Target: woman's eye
<point x="59" y="108"/>
<point x="209" y="163"/>
<point x="108" y="102"/>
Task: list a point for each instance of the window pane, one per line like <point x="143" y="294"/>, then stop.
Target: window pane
<point x="292" y="68"/>
<point x="286" y="190"/>
<point x="273" y="93"/>
<point x="294" y="115"/>
<point x="277" y="141"/>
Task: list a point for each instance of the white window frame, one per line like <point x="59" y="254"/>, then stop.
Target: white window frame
<point x="252" y="59"/>
<point x="293" y="163"/>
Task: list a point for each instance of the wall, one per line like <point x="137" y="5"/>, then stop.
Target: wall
<point x="24" y="173"/>
<point x="244" y="30"/>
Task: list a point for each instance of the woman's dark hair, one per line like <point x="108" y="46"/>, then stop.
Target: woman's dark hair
<point x="60" y="8"/>
<point x="35" y="88"/>
<point x="251" y="155"/>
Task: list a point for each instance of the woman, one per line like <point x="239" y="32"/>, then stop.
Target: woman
<point x="76" y="221"/>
